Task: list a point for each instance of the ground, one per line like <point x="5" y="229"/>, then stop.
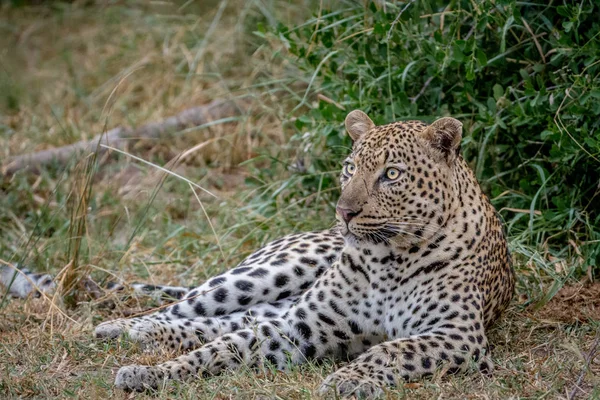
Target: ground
<point x="68" y="71"/>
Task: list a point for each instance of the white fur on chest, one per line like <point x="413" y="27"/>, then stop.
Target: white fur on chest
<point x="399" y="287"/>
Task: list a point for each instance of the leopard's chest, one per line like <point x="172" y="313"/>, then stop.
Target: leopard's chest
<point x="406" y="294"/>
<point x="394" y="290"/>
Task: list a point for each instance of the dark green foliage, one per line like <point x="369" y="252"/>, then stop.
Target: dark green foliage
<point x="522" y="76"/>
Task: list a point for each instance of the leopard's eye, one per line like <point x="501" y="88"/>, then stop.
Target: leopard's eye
<point x="349" y="169"/>
<point x="392" y="173"/>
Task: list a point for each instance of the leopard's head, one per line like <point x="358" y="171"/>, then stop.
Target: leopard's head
<point x="398" y="182"/>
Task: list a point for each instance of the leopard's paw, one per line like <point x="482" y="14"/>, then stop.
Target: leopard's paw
<point x="112" y="329"/>
<point x="144" y="332"/>
<point x="138" y="378"/>
<point x="345" y="382"/>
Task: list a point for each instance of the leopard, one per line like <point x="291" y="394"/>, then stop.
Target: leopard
<point x="407" y="283"/>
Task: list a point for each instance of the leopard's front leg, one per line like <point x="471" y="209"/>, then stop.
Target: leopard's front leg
<point x="387" y="364"/>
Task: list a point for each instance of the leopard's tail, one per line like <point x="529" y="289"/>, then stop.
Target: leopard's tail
<point x="21" y="283"/>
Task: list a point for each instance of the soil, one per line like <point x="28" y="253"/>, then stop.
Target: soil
<point x="578" y="303"/>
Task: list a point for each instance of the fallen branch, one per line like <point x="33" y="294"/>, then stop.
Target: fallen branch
<point x="121" y="136"/>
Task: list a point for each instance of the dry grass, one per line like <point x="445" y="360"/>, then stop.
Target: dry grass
<point x="72" y="71"/>
<point x="69" y="71"/>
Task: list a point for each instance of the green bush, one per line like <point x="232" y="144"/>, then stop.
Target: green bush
<point x="521" y="76"/>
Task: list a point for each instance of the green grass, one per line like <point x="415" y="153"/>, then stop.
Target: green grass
<point x="71" y="70"/>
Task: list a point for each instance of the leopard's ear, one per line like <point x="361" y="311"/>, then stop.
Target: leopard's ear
<point x="443" y="138"/>
<point x="357" y="124"/>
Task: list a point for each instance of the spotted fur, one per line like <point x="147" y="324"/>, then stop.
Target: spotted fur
<point x="405" y="285"/>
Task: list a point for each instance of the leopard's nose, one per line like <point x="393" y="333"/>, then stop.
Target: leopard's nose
<point x="346" y="213"/>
